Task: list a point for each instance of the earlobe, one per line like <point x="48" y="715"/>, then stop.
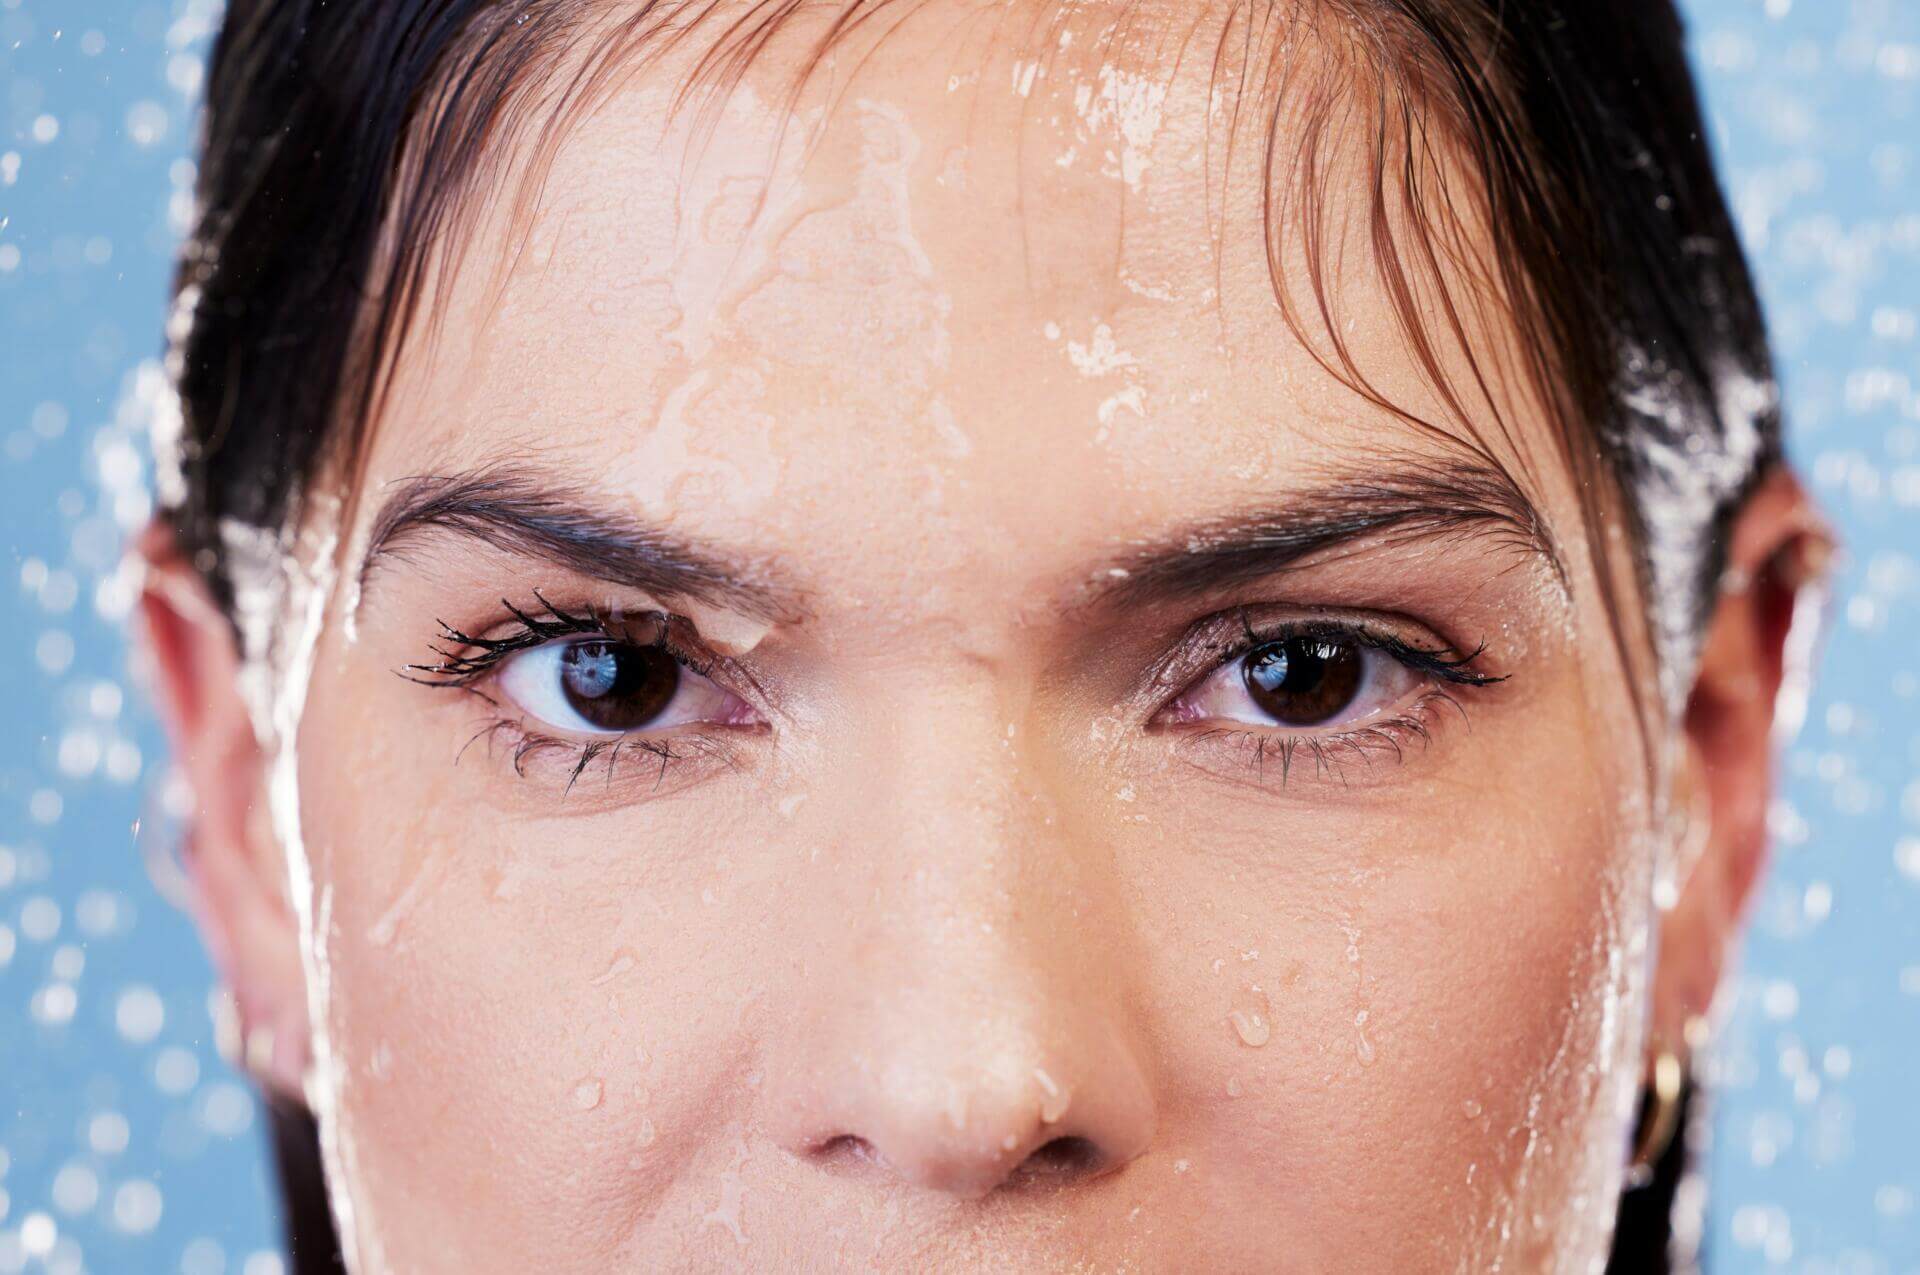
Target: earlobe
<point x="232" y="862"/>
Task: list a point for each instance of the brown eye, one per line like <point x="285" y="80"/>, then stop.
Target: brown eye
<point x="609" y="687"/>
<point x="615" y="686"/>
<point x="1303" y="681"/>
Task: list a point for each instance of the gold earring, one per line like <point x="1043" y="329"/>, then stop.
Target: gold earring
<point x="1662" y="1117"/>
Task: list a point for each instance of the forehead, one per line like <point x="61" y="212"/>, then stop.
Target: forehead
<point x="973" y="274"/>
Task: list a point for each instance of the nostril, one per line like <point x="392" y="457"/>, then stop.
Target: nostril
<point x="847" y="1150"/>
<point x="1064" y="1157"/>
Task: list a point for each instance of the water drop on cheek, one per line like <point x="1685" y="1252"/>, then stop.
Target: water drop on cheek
<point x="586" y="1094"/>
<point x="1250" y="1017"/>
<point x="622" y="962"/>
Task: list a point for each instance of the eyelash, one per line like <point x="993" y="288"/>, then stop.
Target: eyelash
<point x="464" y="672"/>
<point x="466" y="660"/>
<point x="1329" y="751"/>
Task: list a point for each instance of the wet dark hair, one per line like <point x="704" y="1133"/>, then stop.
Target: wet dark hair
<point x="346" y="144"/>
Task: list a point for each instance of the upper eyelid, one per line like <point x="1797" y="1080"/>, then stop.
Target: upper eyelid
<point x="1245" y="636"/>
<point x="531" y="632"/>
<point x="456" y="669"/>
<point x="1209" y="644"/>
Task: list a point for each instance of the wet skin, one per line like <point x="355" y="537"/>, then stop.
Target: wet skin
<point x="967" y="909"/>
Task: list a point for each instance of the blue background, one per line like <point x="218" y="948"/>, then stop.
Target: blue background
<point x="126" y="1145"/>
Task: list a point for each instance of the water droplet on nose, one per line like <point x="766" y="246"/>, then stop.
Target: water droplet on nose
<point x="1471" y="1109"/>
<point x="1363" y="1047"/>
<point x="1009" y="1142"/>
<point x="1054" y="1099"/>
<point x="1250" y="1017"/>
<point x="1181" y="1166"/>
<point x="586" y="1094"/>
<point x="646" y="1135"/>
<point x="1233" y="1086"/>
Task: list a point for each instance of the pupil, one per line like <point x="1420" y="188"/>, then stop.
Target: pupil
<point x="617" y="686"/>
<point x="1303" y="681"/>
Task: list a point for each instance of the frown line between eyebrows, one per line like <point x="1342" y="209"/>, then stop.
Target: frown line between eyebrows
<point x="522" y="514"/>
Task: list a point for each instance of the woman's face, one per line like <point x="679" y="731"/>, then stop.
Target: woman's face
<point x="1108" y="796"/>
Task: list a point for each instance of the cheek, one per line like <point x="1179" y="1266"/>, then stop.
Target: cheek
<point x="566" y="991"/>
<point x="1437" y="1011"/>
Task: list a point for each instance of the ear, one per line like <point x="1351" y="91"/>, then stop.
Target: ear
<point x="1777" y="548"/>
<point x="232" y="859"/>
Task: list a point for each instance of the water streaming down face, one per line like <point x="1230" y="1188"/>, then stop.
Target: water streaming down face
<point x="908" y="941"/>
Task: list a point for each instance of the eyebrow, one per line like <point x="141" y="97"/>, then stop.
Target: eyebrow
<point x="521" y="513"/>
<point x="1400" y="502"/>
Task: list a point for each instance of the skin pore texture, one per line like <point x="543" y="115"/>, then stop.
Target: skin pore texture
<point x="948" y="409"/>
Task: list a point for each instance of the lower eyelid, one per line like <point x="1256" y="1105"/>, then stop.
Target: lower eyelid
<point x="629" y="766"/>
<point x="1265" y="756"/>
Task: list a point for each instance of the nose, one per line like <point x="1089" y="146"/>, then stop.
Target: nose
<point x="997" y="1111"/>
<point x="962" y="1024"/>
<point x="965" y="1028"/>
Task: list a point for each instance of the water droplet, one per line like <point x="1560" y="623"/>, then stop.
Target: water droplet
<point x="1363" y="1047"/>
<point x="1471" y="1109"/>
<point x="385" y="926"/>
<point x="1181" y="1166"/>
<point x="1054" y="1100"/>
<point x="646" y="1135"/>
<point x="1249" y="1017"/>
<point x="1233" y="1086"/>
<point x="586" y="1094"/>
<point x="622" y="962"/>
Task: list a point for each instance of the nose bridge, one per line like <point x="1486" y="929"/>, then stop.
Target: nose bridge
<point x="965" y="1027"/>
